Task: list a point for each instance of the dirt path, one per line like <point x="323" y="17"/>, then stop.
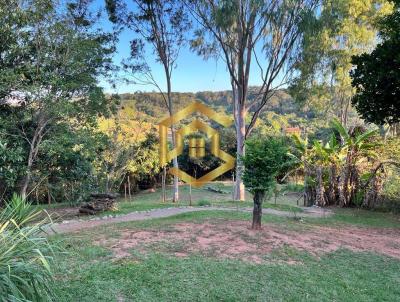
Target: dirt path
<point x="76" y="225"/>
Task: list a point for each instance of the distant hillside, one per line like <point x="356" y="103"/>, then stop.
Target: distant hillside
<point x="153" y="104"/>
<point x="280" y="113"/>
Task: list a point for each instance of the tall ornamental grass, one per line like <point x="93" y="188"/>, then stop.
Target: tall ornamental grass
<point x="26" y="256"/>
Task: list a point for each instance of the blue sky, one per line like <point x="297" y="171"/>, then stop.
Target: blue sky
<point x="191" y="75"/>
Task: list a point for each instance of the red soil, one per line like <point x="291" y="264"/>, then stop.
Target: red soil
<point x="235" y="240"/>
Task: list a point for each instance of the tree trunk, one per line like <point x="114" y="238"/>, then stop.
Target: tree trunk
<point x="320" y="192"/>
<point x="354" y="184"/>
<point x="309" y="191"/>
<point x="240" y="150"/>
<point x="129" y="188"/>
<point x="190" y="194"/>
<point x="346" y="112"/>
<point x="27" y="178"/>
<point x="344" y="180"/>
<point x="257" y="210"/>
<point x="342" y="188"/>
<point x="163" y="180"/>
<point x="33" y="151"/>
<point x="243" y="60"/>
<point x="384" y="132"/>
<point x="333" y="185"/>
<point x="107" y="185"/>
<point x="370" y="194"/>
<point x="175" y="197"/>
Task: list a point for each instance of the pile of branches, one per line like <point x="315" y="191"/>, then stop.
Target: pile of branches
<point x="99" y="202"/>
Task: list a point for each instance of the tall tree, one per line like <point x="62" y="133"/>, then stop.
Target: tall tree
<point x="376" y="77"/>
<point x="249" y="34"/>
<point x="53" y="74"/>
<point x="162" y="24"/>
<point x="342" y="29"/>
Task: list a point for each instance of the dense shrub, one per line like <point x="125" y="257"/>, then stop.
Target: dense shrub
<point x="265" y="160"/>
<point x="203" y="203"/>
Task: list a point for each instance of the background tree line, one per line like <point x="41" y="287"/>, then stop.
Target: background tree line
<point x="61" y="136"/>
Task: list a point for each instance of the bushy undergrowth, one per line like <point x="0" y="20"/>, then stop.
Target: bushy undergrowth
<point x="293" y="187"/>
<point x="203" y="203"/>
<point x="25" y="254"/>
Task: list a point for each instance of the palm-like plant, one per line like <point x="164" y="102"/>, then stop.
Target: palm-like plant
<point x="329" y="157"/>
<point x="357" y="148"/>
<point x="332" y="169"/>
<point x="314" y="161"/>
<point x="302" y="157"/>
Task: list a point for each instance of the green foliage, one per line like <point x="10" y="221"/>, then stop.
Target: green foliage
<point x="145" y="166"/>
<point x="65" y="41"/>
<point x="130" y="150"/>
<point x="359" y="141"/>
<point x="377" y="98"/>
<point x="377" y="75"/>
<point x="53" y="56"/>
<point x="341" y="30"/>
<point x="390" y="150"/>
<point x="11" y="162"/>
<point x="198" y="166"/>
<point x="49" y="95"/>
<point x="265" y="159"/>
<point x="25" y="254"/>
<point x="20" y="210"/>
<point x="294" y="187"/>
<point x="391" y="192"/>
<point x="337" y="170"/>
<point x="203" y="203"/>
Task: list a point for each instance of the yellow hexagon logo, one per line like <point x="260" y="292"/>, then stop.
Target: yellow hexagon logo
<point x="167" y="155"/>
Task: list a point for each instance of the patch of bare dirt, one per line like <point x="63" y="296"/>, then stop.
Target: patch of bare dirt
<point x="234" y="240"/>
<point x="59" y="214"/>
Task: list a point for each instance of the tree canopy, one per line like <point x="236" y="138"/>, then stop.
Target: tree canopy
<point x="50" y="64"/>
<point x="376" y="76"/>
<point x="265" y="159"/>
<point x="342" y="29"/>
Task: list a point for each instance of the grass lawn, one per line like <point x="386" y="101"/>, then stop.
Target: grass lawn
<point x="188" y="257"/>
<point x="359" y="218"/>
<point x="202" y="197"/>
